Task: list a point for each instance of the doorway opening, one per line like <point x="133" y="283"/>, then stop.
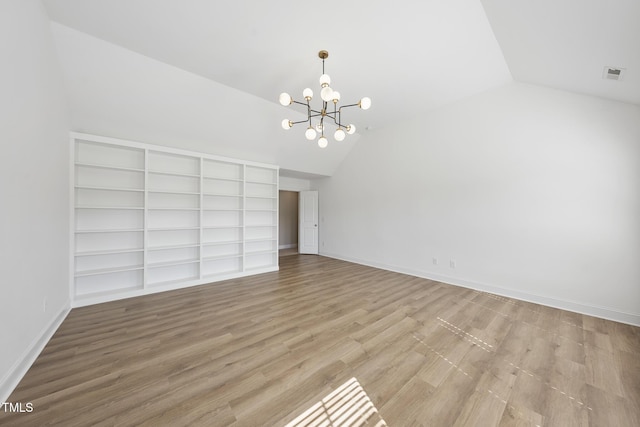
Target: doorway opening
<point x="298" y="222"/>
<point x="288" y="222"/>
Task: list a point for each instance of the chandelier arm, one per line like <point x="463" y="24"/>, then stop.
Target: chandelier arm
<point x="305" y="120"/>
<point x="349" y="105"/>
<point x="301" y="121"/>
<point x="336" y="121"/>
<point x="308" y="106"/>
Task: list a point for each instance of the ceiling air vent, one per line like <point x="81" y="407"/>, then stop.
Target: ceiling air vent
<point x="613" y="73"/>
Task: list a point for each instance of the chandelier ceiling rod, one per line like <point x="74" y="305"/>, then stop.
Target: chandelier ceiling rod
<point x="328" y="95"/>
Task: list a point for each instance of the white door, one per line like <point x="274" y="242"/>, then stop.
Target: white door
<point x="308" y="222"/>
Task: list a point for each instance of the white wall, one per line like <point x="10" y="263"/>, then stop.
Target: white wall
<point x="119" y="93"/>
<point x="533" y="192"/>
<point x="34" y="171"/>
<point x="294" y="184"/>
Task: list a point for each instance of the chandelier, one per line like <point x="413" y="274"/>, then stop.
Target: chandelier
<point x="327" y="114"/>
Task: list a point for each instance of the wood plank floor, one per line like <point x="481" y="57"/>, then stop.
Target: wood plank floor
<point x="327" y="342"/>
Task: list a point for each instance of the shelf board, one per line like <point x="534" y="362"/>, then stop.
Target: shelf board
<point x="270" y="251"/>
<point x="217" y="257"/>
<point x="157" y="172"/>
<point x="261" y="197"/>
<point x="268" y="239"/>
<point x="260" y="210"/>
<point x="219" y="227"/>
<point x="222" y="210"/>
<point x="220" y="243"/>
<point x="125" y="208"/>
<point x="221" y="195"/>
<point x="96" y="165"/>
<point x="114" y="230"/>
<point x="195" y="193"/>
<point x="219" y="178"/>
<point x="173" y="228"/>
<point x="172" y="209"/>
<point x="160" y="248"/>
<point x="260" y="182"/>
<point x="107" y="270"/>
<point x="90" y="187"/>
<point x="171" y="263"/>
<point x="260" y="225"/>
<point x="108" y="252"/>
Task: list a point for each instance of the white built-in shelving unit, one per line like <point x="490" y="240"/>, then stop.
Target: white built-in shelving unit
<point x="148" y="218"/>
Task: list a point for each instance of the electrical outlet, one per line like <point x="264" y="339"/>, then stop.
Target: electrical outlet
<point x="452" y="263"/>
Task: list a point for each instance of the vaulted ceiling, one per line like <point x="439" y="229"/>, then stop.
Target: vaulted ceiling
<point x="408" y="57"/>
<point x="567" y="44"/>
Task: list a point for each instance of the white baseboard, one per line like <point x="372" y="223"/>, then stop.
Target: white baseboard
<point x="11" y="380"/>
<point x="577" y="307"/>
<point x="289" y="246"/>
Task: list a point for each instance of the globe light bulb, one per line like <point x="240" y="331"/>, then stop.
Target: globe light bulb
<point x="286" y="124"/>
<point x="339" y="135"/>
<point x="307" y="94"/>
<point x="322" y="142"/>
<point x="351" y="129"/>
<point x="310" y="133"/>
<point x="326" y="94"/>
<point x="320" y="127"/>
<point x="365" y="103"/>
<point x="285" y="99"/>
<point x="325" y="80"/>
<point x="336" y="97"/>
